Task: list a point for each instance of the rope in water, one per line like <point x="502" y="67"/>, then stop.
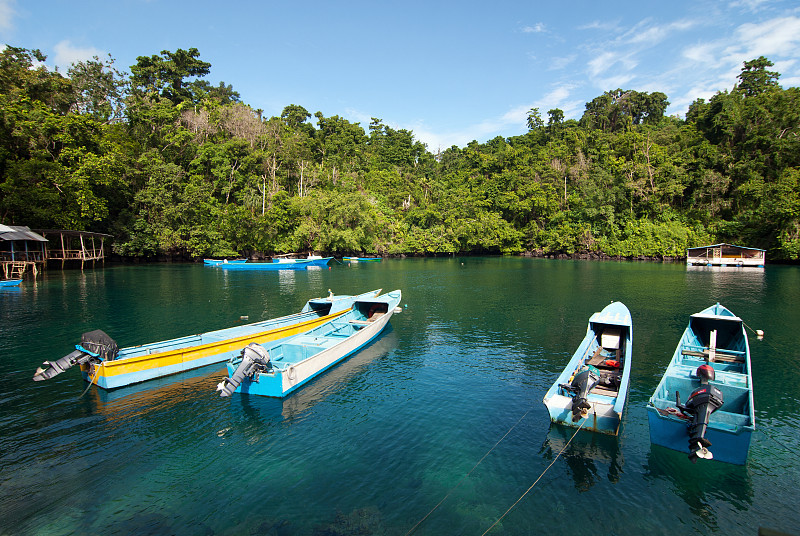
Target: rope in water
<point x="96" y="370"/>
<point x="451" y="490"/>
<point x="537" y="480"/>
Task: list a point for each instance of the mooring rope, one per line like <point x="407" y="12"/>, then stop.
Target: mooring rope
<point x="537" y="480"/>
<point x="451" y="490"/>
<point x="788" y="449"/>
<point x="96" y="370"/>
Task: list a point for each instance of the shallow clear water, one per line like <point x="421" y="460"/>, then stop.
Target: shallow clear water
<point x="372" y="446"/>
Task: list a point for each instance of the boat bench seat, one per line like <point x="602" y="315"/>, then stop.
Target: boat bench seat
<point x="735" y="399"/>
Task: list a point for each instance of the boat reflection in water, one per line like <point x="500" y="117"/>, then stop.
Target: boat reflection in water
<point x="155" y="395"/>
<point x="588" y="456"/>
<point x="701" y="490"/>
<point x="349" y="374"/>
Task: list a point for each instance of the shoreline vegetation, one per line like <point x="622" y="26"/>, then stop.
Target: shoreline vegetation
<point x="174" y="167"/>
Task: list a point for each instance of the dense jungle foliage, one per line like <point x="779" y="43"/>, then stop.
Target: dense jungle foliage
<point x="170" y="164"/>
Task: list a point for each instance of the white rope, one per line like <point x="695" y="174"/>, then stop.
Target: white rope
<point x="466" y="475"/>
<point x="537" y="480"/>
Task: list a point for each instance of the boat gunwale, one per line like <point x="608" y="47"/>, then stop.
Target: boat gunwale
<point x="234" y="339"/>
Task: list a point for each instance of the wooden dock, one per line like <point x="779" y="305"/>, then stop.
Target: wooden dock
<point x="23" y="250"/>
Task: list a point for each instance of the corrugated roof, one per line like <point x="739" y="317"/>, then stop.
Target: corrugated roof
<point x="19" y="232"/>
<point x="725" y="244"/>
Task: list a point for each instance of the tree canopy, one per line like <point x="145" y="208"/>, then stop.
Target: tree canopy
<point x="171" y="164"/>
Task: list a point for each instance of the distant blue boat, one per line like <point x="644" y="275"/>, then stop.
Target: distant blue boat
<point x="10" y="282"/>
<point x="591" y="390"/>
<point x="301" y="264"/>
<point x="277" y="369"/>
<point x="214" y="262"/>
<point x="710" y="373"/>
<point x="313" y="260"/>
<point x="362" y="259"/>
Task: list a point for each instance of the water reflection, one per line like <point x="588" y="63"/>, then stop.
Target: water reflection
<point x="701" y="486"/>
<point x="157" y="394"/>
<point x="587" y="456"/>
<point x="299" y="403"/>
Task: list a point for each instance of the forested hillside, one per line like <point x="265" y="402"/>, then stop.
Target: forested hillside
<point x="171" y="164"/>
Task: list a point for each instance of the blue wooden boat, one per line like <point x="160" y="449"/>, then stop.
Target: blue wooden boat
<point x="313" y="260"/>
<point x="103" y="364"/>
<point x="280" y="368"/>
<point x="591" y="390"/>
<point x="362" y="259"/>
<point x="214" y="262"/>
<point x="301" y="264"/>
<point x="710" y="371"/>
<point x="10" y="282"/>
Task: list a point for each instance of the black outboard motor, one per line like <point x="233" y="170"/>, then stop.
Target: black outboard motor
<point x="581" y="384"/>
<point x="703" y="401"/>
<point x="254" y="359"/>
<point x="95" y="347"/>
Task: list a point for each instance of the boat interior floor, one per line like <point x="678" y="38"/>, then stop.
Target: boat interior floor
<point x="598" y="358"/>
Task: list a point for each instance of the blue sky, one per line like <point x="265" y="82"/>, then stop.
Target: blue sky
<point x="451" y="72"/>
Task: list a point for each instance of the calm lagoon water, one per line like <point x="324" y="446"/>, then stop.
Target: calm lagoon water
<point x="375" y="444"/>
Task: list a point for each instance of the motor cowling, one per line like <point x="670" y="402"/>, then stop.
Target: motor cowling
<point x="581" y="384"/>
<point x="95" y="346"/>
<point x="254" y="359"/>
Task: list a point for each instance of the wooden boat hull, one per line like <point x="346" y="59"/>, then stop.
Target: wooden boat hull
<point x="732" y="425"/>
<point x="214" y="262"/>
<point x="304" y="357"/>
<point x="146" y="362"/>
<point x="321" y="261"/>
<point x="607" y="407"/>
<point x="362" y="259"/>
<point x="265" y="266"/>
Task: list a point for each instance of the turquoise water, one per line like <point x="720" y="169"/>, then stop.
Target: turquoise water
<point x="375" y="444"/>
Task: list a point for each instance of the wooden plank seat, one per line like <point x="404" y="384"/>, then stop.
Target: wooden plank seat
<point x="729" y="356"/>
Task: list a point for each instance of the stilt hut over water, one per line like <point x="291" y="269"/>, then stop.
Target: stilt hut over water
<point x="726" y="255"/>
<point x="80" y="246"/>
<point x="20" y="249"/>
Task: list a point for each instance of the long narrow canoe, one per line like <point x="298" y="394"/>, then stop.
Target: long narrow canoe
<point x="10" y="282"/>
<point x="311" y="260"/>
<point x="104" y="365"/>
<point x="301" y="264"/>
<point x="710" y="373"/>
<point x="214" y="262"/>
<point x="362" y="259"/>
<point x="282" y="367"/>
<point x="592" y="389"/>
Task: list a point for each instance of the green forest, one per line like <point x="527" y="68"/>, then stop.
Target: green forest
<point x="173" y="165"/>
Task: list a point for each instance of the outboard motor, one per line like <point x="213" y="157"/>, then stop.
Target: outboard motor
<point x="254" y="359"/>
<point x="95" y="347"/>
<point x="703" y="401"/>
<point x="581" y="384"/>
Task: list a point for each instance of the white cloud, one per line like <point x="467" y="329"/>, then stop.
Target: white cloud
<point x="562" y="62"/>
<point x="67" y="54"/>
<point x="701" y="52"/>
<point x="749" y="5"/>
<point x="7" y="13"/>
<point x="536" y="28"/>
<point x="656" y="34"/>
<point x="776" y="37"/>
<point x="598" y="25"/>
